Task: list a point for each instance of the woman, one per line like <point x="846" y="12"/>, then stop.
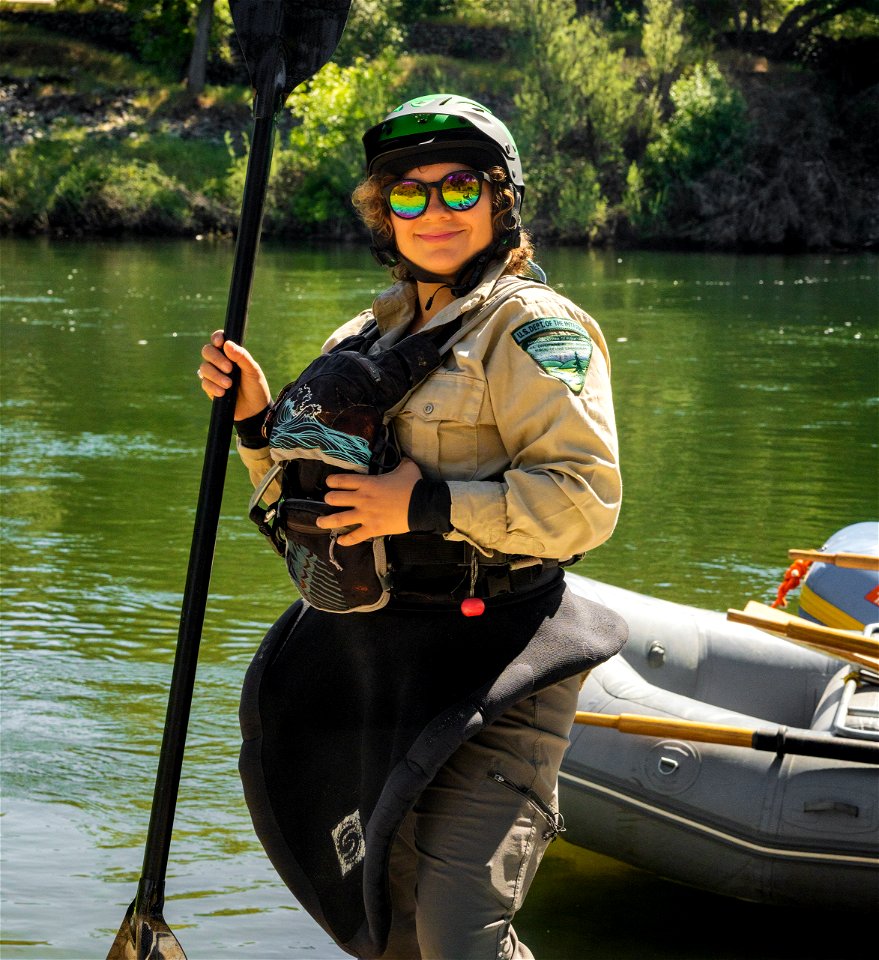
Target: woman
<point x="509" y="470"/>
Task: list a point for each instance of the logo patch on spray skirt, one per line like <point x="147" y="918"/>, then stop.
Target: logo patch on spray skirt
<point x="349" y="842"/>
<point x="560" y="346"/>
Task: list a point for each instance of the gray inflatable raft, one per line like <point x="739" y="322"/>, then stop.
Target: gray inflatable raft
<point x="734" y="821"/>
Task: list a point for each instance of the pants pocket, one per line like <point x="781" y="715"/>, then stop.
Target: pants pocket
<point x="554" y="822"/>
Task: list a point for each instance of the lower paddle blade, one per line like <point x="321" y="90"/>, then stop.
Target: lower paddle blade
<point x="145" y="938"/>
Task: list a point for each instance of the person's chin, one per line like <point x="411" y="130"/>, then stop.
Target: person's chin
<point x="443" y="266"/>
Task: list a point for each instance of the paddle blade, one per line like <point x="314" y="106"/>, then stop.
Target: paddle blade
<point x="305" y="32"/>
<point x="145" y="938"/>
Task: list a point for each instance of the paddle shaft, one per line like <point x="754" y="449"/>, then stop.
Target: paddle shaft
<point x="207" y="516"/>
<point x="852" y="561"/>
<point x="780" y="740"/>
<point x="284" y="42"/>
<point x="815" y="634"/>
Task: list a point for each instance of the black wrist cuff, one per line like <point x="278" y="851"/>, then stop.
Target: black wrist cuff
<point x="250" y="430"/>
<point x="430" y="507"/>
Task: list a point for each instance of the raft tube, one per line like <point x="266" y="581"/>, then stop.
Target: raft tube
<point x="730" y="820"/>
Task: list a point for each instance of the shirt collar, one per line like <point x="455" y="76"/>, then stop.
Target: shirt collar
<point x="395" y="306"/>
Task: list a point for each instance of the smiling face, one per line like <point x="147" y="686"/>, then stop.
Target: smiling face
<point x="443" y="240"/>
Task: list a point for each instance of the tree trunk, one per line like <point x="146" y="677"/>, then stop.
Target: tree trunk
<point x="803" y="19"/>
<point x="195" y="75"/>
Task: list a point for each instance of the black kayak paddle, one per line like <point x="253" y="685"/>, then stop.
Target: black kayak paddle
<point x="284" y="42"/>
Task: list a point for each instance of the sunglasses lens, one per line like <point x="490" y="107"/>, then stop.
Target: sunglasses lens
<point x="461" y="190"/>
<point x="408" y="199"/>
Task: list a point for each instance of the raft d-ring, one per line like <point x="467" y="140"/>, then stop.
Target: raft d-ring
<point x="667" y="766"/>
<point x="671" y="766"/>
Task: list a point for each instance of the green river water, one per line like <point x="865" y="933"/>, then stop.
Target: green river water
<point x="746" y="394"/>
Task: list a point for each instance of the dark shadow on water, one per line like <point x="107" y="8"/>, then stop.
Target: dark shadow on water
<point x="584" y="906"/>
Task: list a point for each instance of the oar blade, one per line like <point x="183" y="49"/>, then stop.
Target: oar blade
<point x="308" y="32"/>
<point x="145" y="938"/>
<point x="312" y="35"/>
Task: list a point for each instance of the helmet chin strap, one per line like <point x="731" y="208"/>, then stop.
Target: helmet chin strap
<point x="468" y="276"/>
<point x="470" y="273"/>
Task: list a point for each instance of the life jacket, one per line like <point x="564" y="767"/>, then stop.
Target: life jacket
<point x="335" y="417"/>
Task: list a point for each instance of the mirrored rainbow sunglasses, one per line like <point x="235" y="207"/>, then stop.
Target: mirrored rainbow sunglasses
<point x="458" y="190"/>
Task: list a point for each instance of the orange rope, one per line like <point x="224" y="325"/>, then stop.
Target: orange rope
<point x="792" y="577"/>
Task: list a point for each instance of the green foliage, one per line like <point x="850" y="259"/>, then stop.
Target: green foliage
<point x="632" y="203"/>
<point x="483" y="81"/>
<point x="707" y="133"/>
<point x="707" y="129"/>
<point x="114" y="197"/>
<point x="614" y="148"/>
<point x="192" y="163"/>
<point x="662" y="43"/>
<point x="163" y="32"/>
<point x="29" y="177"/>
<point x="576" y="104"/>
<point x="580" y="208"/>
<point x="322" y="161"/>
<point x="76" y="184"/>
<point x="662" y="40"/>
<point x="479" y="12"/>
<point x="417" y="9"/>
<point x="372" y="25"/>
<point x="27" y="51"/>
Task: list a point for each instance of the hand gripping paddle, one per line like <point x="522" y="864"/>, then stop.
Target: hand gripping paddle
<point x="284" y="42"/>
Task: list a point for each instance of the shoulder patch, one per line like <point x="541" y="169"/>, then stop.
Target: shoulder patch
<point x="560" y="346"/>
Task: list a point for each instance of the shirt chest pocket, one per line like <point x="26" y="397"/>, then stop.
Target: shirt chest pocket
<point x="440" y="423"/>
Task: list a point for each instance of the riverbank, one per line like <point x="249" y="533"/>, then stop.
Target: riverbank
<point x="96" y="144"/>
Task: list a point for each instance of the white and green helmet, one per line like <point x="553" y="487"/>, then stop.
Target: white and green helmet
<point x="439" y="127"/>
<point x="441" y="124"/>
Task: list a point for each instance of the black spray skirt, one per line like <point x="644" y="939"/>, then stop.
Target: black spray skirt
<point x="347" y="718"/>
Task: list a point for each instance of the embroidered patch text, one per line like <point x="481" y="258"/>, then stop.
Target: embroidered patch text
<point x="560" y="346"/>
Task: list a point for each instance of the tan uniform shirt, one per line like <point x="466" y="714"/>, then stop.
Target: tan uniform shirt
<point x="518" y="420"/>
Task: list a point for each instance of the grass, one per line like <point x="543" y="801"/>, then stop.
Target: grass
<point x="96" y="165"/>
<point x="484" y="81"/>
<point x="68" y="65"/>
<point x="192" y="162"/>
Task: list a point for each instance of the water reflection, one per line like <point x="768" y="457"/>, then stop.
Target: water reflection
<point x="746" y="399"/>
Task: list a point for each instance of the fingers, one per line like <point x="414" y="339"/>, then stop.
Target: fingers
<point x="240" y="357"/>
<point x="353" y="537"/>
<point x="220" y="358"/>
<point x="214" y="374"/>
<point x="378" y="505"/>
<point x="343" y="481"/>
<point x="215" y="369"/>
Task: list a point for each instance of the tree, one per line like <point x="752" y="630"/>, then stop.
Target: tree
<point x="198" y="60"/>
<point x="805" y="18"/>
<point x="662" y="43"/>
<point x="576" y="106"/>
<point x="162" y="33"/>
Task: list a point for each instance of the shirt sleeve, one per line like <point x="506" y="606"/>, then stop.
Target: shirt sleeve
<point x="548" y="379"/>
<point x="258" y="461"/>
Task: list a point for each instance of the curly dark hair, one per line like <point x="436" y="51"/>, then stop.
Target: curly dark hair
<point x="373" y="210"/>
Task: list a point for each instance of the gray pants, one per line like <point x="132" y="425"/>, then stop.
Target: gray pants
<point x="467" y="853"/>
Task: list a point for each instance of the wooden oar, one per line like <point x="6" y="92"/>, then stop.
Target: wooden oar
<point x="854" y="561"/>
<point x="844" y="644"/>
<point x="284" y="42"/>
<point x="780" y="740"/>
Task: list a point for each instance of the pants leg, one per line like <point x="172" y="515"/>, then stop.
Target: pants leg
<point x="474" y="840"/>
<point x="402" y="872"/>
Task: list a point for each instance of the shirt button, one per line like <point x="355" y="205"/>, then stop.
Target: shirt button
<point x="428" y="408"/>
